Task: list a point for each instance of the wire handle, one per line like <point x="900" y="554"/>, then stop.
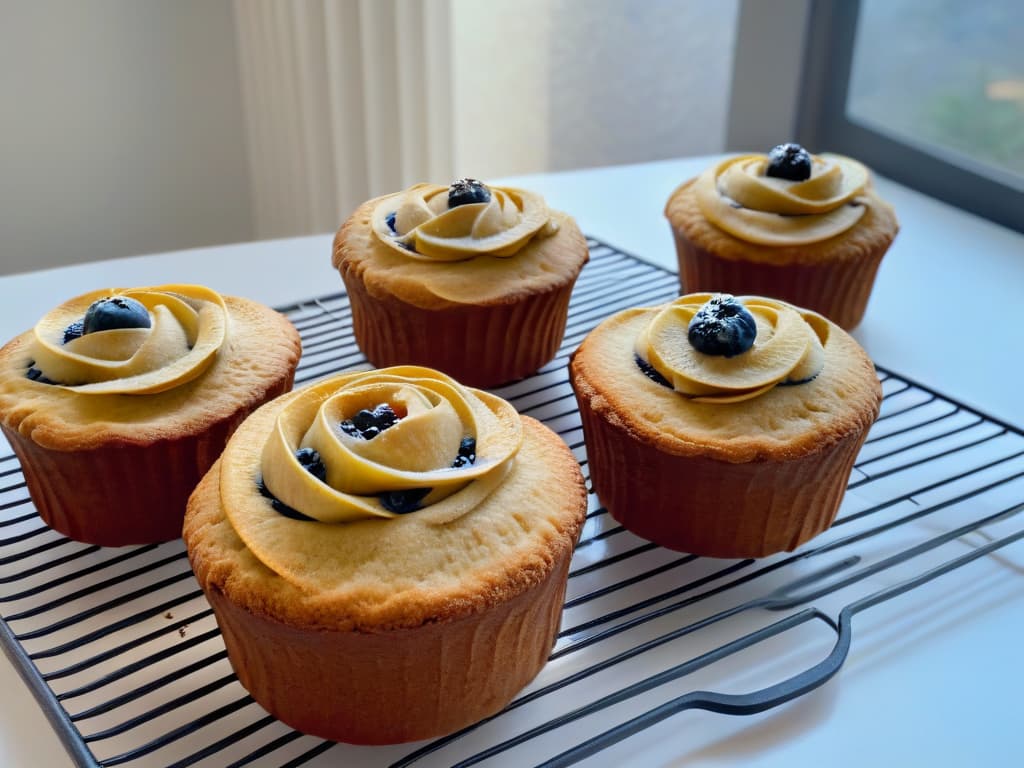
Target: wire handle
<point x="782" y="692"/>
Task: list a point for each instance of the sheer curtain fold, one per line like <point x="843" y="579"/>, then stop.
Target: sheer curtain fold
<point x="343" y="100"/>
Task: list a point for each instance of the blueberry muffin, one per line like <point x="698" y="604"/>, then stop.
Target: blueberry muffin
<point x="120" y="400"/>
<point x="470" y="279"/>
<point x="807" y="229"/>
<point x="386" y="553"/>
<point x="720" y="426"/>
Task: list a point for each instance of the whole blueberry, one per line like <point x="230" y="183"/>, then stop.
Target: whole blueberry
<point x="310" y="459"/>
<point x="364" y="420"/>
<point x="115" y="312"/>
<point x="789" y="161"/>
<point x="723" y="326"/>
<point x="466" y="191"/>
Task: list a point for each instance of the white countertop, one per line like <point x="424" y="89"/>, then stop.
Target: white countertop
<point x="917" y="689"/>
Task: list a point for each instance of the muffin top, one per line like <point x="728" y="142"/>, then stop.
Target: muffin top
<point x="139" y="364"/>
<point x="785" y="206"/>
<point x="382" y="500"/>
<point x="733" y="379"/>
<point x="468" y="243"/>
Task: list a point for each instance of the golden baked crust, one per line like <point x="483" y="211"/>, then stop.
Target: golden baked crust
<point x="543" y="265"/>
<point x="784" y="423"/>
<point x="873" y="233"/>
<point x="402" y="573"/>
<point x="261" y="351"/>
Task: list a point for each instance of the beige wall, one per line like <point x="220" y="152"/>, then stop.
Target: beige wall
<point x="123" y="128"/>
<point x="120" y="130"/>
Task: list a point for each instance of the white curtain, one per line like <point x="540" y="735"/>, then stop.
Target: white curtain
<point x="343" y="100"/>
<point x="347" y="99"/>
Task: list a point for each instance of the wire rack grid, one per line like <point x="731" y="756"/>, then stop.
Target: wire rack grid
<point x="123" y="653"/>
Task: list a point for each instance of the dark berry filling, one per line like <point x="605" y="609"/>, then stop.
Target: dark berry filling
<point x="115" y="312"/>
<point x="403" y="502"/>
<point x="789" y="161"/>
<point x="391" y="221"/>
<point x="279" y="506"/>
<point x="650" y="372"/>
<point x="467" y="453"/>
<point x="466" y="191"/>
<point x="73" y="331"/>
<point x="793" y="382"/>
<point x="34" y="374"/>
<point x="310" y="459"/>
<point x="367" y="424"/>
<point x="723" y="326"/>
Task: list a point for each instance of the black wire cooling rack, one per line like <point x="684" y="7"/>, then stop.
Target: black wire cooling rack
<point x="122" y="651"/>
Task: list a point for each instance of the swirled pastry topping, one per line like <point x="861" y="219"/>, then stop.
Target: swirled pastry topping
<point x="435" y="223"/>
<point x="720" y="349"/>
<point x="384" y="443"/>
<point x="130" y="341"/>
<point x="787" y="197"/>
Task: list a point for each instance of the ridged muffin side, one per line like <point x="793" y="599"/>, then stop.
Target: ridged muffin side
<point x="482" y="346"/>
<point x="833" y="277"/>
<point x="744" y="479"/>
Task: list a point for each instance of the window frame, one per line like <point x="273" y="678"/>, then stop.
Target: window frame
<point x="821" y="122"/>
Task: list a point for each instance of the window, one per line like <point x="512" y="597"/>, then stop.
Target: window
<point x="929" y="94"/>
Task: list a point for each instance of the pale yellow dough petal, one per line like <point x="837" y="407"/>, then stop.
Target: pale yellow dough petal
<point x="739" y="198"/>
<point x="788" y="347"/>
<point x="188" y="327"/>
<point x="435" y="414"/>
<point x="426" y="229"/>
